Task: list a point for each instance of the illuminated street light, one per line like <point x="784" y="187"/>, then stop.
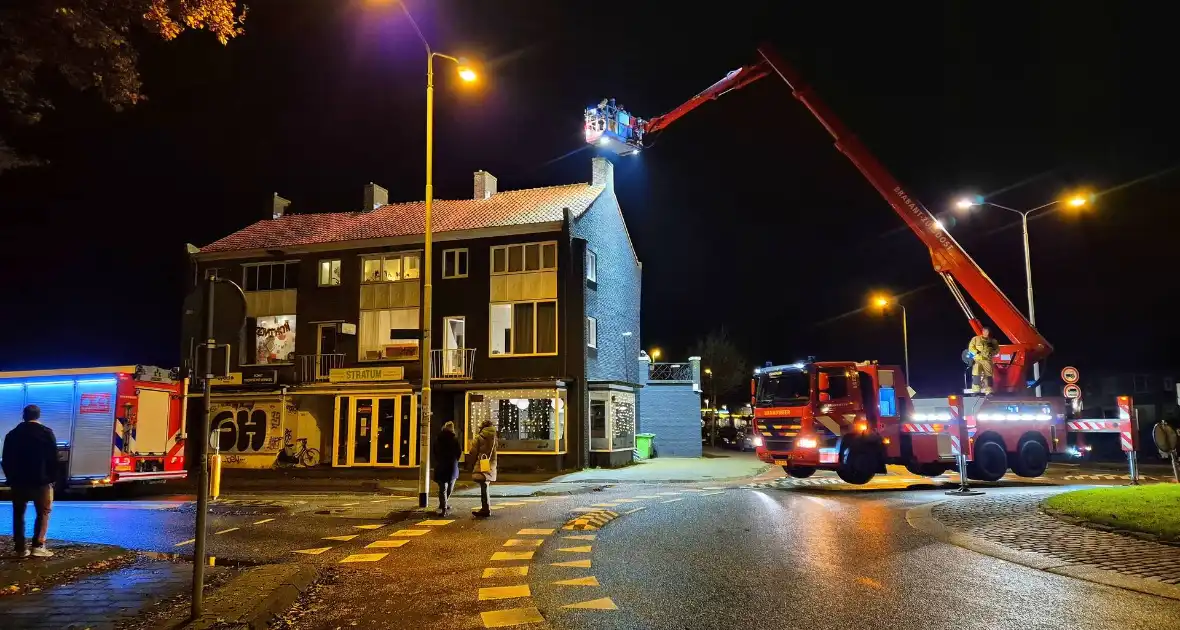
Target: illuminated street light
<point x="467" y="74"/>
<point x="882" y="301"/>
<point x="655" y="353"/>
<point x="709" y="371"/>
<point x="1074" y="201"/>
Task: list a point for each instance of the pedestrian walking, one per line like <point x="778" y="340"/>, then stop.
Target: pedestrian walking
<point x="30" y="468"/>
<point x="483" y="466"/>
<point x="446" y="465"/>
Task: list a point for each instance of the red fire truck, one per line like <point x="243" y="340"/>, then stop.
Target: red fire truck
<point x="113" y="424"/>
<point x="856" y="417"/>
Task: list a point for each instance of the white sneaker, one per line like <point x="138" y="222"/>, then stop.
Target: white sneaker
<point x="23" y="553"/>
<point x="41" y="552"/>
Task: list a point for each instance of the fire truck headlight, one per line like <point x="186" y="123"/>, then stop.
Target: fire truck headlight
<point x="807" y="442"/>
<point x="757" y="440"/>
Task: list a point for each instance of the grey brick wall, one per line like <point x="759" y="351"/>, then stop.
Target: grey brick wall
<point x="673" y="412"/>
<point x="614" y="299"/>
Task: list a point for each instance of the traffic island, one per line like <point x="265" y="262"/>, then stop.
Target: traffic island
<point x="1149" y="512"/>
<point x="1010" y="525"/>
<point x="69" y="562"/>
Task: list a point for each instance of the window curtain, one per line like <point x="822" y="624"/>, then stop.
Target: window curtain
<point x="547" y="327"/>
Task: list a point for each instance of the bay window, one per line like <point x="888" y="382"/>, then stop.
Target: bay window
<point x="523" y="328"/>
<point x="612" y="420"/>
<point x="378" y="338"/>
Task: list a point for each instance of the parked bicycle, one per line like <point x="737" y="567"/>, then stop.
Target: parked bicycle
<point x="296" y="453"/>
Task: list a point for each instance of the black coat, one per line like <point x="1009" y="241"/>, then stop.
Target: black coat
<point x="30" y="456"/>
<point x="445" y="456"/>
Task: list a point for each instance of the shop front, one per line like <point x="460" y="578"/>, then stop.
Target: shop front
<point x="531" y="423"/>
<point x="378" y="429"/>
<point x="612" y="424"/>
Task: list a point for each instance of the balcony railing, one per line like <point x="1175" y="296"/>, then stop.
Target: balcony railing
<point x="314" y="368"/>
<point x="452" y="364"/>
<point x="671" y="372"/>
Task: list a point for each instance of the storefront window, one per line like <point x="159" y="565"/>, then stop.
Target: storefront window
<point x="598" y="438"/>
<point x="612" y="420"/>
<point x="623" y="406"/>
<point x="270" y="339"/>
<point x="528" y="420"/>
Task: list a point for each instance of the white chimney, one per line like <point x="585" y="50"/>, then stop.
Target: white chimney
<point x="375" y="197"/>
<point x="602" y="172"/>
<point x="279" y="206"/>
<point x="485" y="185"/>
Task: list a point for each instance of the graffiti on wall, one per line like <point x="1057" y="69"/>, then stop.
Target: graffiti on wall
<point x="248" y="426"/>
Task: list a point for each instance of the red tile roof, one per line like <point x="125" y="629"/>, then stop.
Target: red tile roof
<point x="511" y="207"/>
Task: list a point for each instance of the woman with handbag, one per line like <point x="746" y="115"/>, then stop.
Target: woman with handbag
<point x="446" y="465"/>
<point x="483" y="468"/>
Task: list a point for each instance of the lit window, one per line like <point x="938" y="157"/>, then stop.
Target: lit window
<point x="523" y="328"/>
<point x="524" y="257"/>
<point x="591" y="332"/>
<point x="378" y="337"/>
<point x="391" y="268"/>
<point x="329" y="273"/>
<point x="526" y="420"/>
<point x="612" y="420"/>
<point x="269" y="339"/>
<point x="591" y="266"/>
<point x="270" y="276"/>
<point x="454" y="263"/>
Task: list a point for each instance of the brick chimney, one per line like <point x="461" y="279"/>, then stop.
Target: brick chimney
<point x="279" y="206"/>
<point x="375" y="197"/>
<point x="485" y="185"/>
<point x="602" y="173"/>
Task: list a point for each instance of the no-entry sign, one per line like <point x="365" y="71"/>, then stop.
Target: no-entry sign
<point x="1072" y="391"/>
<point x="1070" y="374"/>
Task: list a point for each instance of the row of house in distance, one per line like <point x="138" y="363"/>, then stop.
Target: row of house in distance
<point x="535" y="325"/>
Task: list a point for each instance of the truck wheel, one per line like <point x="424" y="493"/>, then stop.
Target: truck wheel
<point x="990" y="463"/>
<point x="926" y="470"/>
<point x="800" y="472"/>
<point x="1031" y="459"/>
<point x="856" y="477"/>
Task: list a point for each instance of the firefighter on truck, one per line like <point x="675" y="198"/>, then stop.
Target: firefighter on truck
<point x="982" y="348"/>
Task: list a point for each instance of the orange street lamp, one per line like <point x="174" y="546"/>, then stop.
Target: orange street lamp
<point x="881" y="301"/>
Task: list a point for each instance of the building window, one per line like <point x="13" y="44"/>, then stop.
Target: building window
<point x="269" y="340"/>
<point x="1140" y="383"/>
<point x="524" y="257"/>
<point x="377" y="336"/>
<point x="527" y="420"/>
<point x="623" y="408"/>
<point x="591" y="332"/>
<point x="270" y="276"/>
<point x="329" y="273"/>
<point x="591" y="266"/>
<point x="454" y="263"/>
<point x="598" y="439"/>
<point x="523" y="328"/>
<point x="391" y="268"/>
<point x="612" y="420"/>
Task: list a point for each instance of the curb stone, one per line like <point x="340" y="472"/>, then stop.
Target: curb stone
<point x="276" y="587"/>
<point x="922" y="519"/>
<point x="1081" y="522"/>
<point x="27" y="571"/>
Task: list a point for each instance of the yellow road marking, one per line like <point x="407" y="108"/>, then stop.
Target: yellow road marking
<point x="512" y="555"/>
<point x="534" y="532"/>
<point x="348" y="504"/>
<point x="671" y="500"/>
<point x="366" y="526"/>
<point x="582" y="581"/>
<point x="577" y="564"/>
<point x="364" y="557"/>
<point x="523" y="542"/>
<point x="635" y="510"/>
<point x="312" y="552"/>
<point x="386" y="544"/>
<point x="669" y="494"/>
<point x="595" y="604"/>
<point x="437" y="522"/>
<point x="494" y="572"/>
<point x="580" y="537"/>
<point x="410" y="532"/>
<point x="402" y="498"/>
<point x="226" y="531"/>
<point x="533" y="500"/>
<point x="511" y="503"/>
<point x="379" y="501"/>
<point x="587" y="528"/>
<point x="504" y="592"/>
<point x="265" y="520"/>
<point x="187" y="542"/>
<point x="601" y="505"/>
<point x="581" y="549"/>
<point x="511" y="617"/>
<point x="869" y="582"/>
<point x="344" y="538"/>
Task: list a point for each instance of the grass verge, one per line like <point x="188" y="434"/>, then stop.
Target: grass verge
<point x="1152" y="509"/>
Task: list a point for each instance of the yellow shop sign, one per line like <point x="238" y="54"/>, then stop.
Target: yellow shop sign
<point x="368" y="374"/>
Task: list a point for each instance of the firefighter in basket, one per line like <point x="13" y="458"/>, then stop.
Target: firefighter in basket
<point x="982" y="349"/>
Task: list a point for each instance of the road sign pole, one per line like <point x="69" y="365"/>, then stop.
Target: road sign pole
<point x="203" y="458"/>
<point x="964" y="490"/>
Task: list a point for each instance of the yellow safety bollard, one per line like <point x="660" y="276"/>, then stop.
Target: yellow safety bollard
<point x="214" y="476"/>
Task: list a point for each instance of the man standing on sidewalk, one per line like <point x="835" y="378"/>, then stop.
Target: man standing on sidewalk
<point x="30" y="465"/>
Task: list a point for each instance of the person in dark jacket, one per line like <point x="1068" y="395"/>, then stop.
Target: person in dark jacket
<point x="484" y="448"/>
<point x="30" y="468"/>
<point x="445" y="457"/>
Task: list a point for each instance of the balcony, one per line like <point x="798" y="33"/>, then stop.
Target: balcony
<point x="315" y="368"/>
<point x="682" y="372"/>
<point x="455" y="364"/>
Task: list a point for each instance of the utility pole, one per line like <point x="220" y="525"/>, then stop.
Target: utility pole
<point x="202" y="437"/>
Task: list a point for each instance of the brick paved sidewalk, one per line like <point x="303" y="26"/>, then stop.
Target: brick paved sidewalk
<point x="97" y="602"/>
<point x="1013" y="519"/>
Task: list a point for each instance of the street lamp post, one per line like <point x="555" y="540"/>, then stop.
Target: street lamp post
<point x="905" y="333"/>
<point x="713" y="393"/>
<point x="1076" y="201"/>
<point x="467" y="74"/>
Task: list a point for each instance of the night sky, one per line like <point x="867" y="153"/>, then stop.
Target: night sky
<point x="743" y="214"/>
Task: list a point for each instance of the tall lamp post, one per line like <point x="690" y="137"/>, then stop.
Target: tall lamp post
<point x="881" y="302"/>
<point x="713" y="399"/>
<point x="466" y="74"/>
<point x="1076" y="201"/>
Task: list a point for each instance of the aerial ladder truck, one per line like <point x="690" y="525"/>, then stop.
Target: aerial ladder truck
<point x="856" y="417"/>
